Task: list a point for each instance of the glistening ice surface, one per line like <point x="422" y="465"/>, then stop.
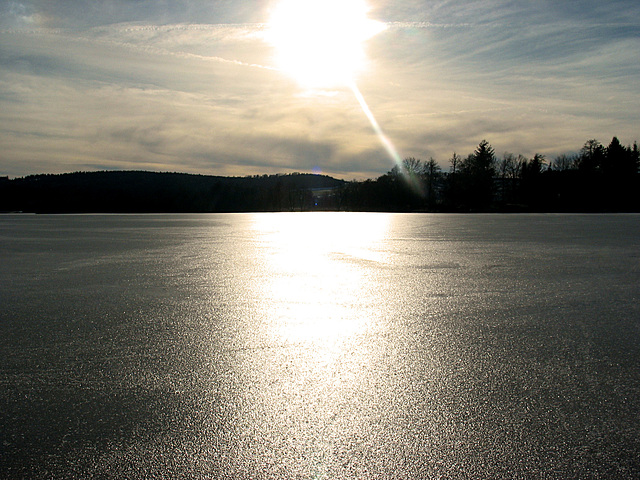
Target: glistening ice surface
<point x="320" y="345"/>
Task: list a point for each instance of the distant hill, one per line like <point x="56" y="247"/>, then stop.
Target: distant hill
<point x="151" y="192"/>
<point x="598" y="179"/>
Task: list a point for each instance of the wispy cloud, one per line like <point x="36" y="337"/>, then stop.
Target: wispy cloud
<point x="193" y="86"/>
<point x="526" y="76"/>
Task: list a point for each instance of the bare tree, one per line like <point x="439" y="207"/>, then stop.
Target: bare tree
<point x="506" y="165"/>
<point x="455" y="163"/>
<point x="564" y="162"/>
<point x="591" y="157"/>
<point x="412" y="166"/>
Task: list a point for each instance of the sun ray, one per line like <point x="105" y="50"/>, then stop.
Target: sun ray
<point x="386" y="142"/>
<point x="320" y="44"/>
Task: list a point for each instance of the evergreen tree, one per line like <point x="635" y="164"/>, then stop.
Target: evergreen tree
<point x="477" y="172"/>
<point x="432" y="174"/>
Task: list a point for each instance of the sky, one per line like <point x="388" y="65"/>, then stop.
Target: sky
<point x="199" y="86"/>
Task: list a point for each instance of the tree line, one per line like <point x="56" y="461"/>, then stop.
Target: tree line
<point x="596" y="179"/>
<point x="156" y="192"/>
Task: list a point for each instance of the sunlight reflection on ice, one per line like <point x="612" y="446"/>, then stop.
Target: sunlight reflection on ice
<point x="282" y="346"/>
<point x="316" y="272"/>
<point x="314" y="291"/>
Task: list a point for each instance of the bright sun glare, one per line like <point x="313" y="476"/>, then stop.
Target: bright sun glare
<point x="320" y="42"/>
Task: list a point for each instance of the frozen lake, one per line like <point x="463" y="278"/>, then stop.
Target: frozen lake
<point x="320" y="345"/>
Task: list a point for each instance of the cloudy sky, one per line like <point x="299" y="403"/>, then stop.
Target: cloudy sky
<point x="199" y="86"/>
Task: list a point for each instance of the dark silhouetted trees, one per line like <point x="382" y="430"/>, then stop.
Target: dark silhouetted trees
<point x="432" y="174"/>
<point x="597" y="178"/>
<point x="135" y="191"/>
<point x="474" y="179"/>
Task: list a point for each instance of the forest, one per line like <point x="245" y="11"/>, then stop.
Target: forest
<point x="597" y="178"/>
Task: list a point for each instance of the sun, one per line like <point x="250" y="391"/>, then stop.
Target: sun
<point x="320" y="42"/>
